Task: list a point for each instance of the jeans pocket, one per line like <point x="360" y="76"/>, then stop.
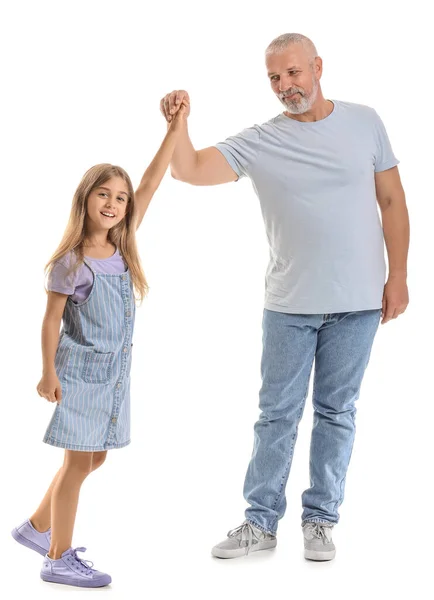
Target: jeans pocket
<point x="97" y="366"/>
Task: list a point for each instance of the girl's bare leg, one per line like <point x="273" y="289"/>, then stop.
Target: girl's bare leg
<point x="87" y="462"/>
<point x="41" y="518"/>
<point x="64" y="498"/>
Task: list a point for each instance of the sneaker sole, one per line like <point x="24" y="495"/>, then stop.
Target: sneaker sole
<point x="29" y="544"/>
<point x="221" y="553"/>
<point x="319" y="556"/>
<point x="76" y="582"/>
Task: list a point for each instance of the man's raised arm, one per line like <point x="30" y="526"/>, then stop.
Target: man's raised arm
<point x="198" y="167"/>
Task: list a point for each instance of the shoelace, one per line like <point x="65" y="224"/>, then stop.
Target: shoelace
<point x="246" y="533"/>
<point x="86" y="564"/>
<point x="318" y="530"/>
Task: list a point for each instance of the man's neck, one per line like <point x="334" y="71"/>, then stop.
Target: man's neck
<point x="320" y="110"/>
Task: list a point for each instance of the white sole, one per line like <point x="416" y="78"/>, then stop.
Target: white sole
<point x="222" y="553"/>
<point x="319" y="556"/>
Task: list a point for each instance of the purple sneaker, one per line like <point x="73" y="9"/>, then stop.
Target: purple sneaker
<point x="72" y="570"/>
<point x="27" y="535"/>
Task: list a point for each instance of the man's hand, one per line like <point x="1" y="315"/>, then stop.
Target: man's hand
<point x="170" y="104"/>
<point x="179" y="118"/>
<point x="395" y="298"/>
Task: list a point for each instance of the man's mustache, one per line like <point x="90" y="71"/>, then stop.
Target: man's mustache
<point x="290" y="92"/>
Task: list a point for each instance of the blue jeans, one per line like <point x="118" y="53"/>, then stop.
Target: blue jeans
<point x="341" y="345"/>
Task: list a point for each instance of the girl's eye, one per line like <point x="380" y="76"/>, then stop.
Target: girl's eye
<point x="102" y="194"/>
<point x="120" y="198"/>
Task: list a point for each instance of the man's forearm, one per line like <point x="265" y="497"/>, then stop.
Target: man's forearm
<point x="184" y="157"/>
<point x="396" y="228"/>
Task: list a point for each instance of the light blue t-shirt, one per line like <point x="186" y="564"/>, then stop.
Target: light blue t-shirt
<point x="315" y="182"/>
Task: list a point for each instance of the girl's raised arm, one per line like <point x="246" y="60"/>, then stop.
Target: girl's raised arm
<point x="155" y="172"/>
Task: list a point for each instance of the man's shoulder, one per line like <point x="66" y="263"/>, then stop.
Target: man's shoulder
<point x="355" y="109"/>
<point x="258" y="130"/>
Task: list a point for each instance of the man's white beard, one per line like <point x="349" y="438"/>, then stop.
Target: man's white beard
<point x="304" y="103"/>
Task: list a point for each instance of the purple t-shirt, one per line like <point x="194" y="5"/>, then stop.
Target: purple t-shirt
<point x="79" y="284"/>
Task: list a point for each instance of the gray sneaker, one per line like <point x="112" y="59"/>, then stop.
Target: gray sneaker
<point x="318" y="543"/>
<point x="242" y="540"/>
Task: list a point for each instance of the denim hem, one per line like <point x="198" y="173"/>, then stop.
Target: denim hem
<point x="260" y="527"/>
<point x="317" y="520"/>
<point x="66" y="446"/>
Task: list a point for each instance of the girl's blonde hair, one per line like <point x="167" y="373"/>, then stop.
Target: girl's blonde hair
<point x="122" y="235"/>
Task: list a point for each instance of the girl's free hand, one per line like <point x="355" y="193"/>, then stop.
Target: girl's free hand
<point x="49" y="388"/>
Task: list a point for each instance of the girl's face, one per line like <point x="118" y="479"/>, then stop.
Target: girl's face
<point x="107" y="204"/>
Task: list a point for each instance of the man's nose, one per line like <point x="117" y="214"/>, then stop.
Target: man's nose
<point x="284" y="83"/>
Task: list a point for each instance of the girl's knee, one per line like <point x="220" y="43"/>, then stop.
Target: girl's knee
<point x="78" y="462"/>
<point x="98" y="458"/>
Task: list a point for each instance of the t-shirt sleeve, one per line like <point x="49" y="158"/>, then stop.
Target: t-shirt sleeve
<point x="61" y="280"/>
<point x="384" y="156"/>
<point x="241" y="150"/>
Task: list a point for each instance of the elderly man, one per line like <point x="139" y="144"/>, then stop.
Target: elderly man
<point x="318" y="169"/>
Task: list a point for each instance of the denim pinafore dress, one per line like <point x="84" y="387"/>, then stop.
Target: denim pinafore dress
<point x="93" y="363"/>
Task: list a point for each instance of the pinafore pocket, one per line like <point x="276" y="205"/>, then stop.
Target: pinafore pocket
<point x="97" y="366"/>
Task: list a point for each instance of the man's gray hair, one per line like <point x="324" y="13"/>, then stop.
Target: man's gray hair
<point x="281" y="43"/>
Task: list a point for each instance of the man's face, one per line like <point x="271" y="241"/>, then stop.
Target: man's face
<point x="293" y="80"/>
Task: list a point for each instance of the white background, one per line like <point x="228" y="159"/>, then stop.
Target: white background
<point x="82" y="83"/>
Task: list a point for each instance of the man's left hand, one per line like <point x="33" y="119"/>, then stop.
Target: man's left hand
<point x="395" y="298"/>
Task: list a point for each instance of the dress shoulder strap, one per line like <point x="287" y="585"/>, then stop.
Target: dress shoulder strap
<point x="88" y="264"/>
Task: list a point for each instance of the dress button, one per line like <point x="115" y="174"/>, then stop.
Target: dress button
<point x="128" y="314"/>
<point x="114" y="420"/>
<point x="118" y="385"/>
<point x="125" y="349"/>
<point x="124" y="277"/>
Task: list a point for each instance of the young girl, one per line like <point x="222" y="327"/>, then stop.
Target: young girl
<point x="94" y="277"/>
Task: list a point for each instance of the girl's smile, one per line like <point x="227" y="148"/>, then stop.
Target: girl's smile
<point x="107" y="204"/>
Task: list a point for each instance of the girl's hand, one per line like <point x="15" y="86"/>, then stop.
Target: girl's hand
<point x="179" y="118"/>
<point x="49" y="388"/>
<point x="170" y="104"/>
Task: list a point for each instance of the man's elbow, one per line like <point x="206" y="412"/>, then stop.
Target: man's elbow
<point x="177" y="175"/>
<point x="180" y="177"/>
<point x="392" y="201"/>
<point x="174" y="175"/>
<point x="384" y="202"/>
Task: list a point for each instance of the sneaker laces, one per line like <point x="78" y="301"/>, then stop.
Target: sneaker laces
<point x="318" y="530"/>
<point x="86" y="564"/>
<point x="246" y="533"/>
